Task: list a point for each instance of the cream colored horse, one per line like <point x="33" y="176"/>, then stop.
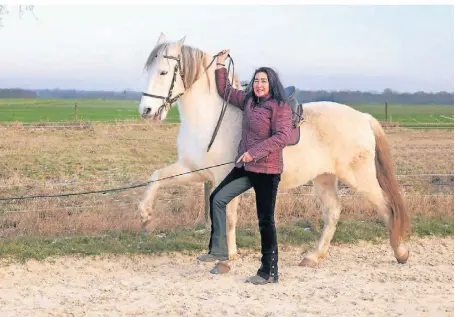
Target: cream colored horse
<point x="337" y="142"/>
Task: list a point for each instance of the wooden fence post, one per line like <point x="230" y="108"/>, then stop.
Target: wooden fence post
<point x="75" y="111"/>
<point x="386" y="112"/>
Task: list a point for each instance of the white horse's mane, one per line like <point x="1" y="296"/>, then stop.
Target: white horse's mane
<point x="193" y="61"/>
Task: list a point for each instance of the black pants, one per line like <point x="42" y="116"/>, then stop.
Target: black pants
<point x="265" y="187"/>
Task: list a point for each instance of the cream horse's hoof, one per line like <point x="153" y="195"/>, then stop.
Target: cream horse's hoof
<point x="308" y="263"/>
<point x="402" y="259"/>
<point x="220" y="268"/>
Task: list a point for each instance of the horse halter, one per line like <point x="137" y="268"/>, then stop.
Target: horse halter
<point x="169" y="100"/>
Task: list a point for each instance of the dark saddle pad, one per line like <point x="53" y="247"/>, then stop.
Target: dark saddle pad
<point x="297" y="115"/>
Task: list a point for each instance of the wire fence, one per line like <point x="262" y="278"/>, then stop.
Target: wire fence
<point x="108" y="177"/>
<point x="90" y="124"/>
<point x="106" y="190"/>
<point x="180" y="206"/>
<point x="343" y="191"/>
<point x="125" y="206"/>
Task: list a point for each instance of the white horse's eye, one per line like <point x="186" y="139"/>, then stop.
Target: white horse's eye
<point x="164" y="72"/>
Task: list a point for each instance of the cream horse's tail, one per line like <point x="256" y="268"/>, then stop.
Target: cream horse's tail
<point x="385" y="174"/>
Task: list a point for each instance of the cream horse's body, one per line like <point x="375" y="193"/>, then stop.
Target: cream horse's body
<point x="337" y="142"/>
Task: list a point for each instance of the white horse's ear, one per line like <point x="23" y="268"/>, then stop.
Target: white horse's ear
<point x="161" y="39"/>
<point x="180" y="43"/>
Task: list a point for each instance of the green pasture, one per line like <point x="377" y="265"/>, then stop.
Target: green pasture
<point x="57" y="110"/>
<point x="410" y="115"/>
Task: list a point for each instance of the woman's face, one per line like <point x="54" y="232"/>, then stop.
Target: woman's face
<point x="261" y="84"/>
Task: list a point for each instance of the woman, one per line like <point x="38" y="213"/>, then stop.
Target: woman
<point x="265" y="131"/>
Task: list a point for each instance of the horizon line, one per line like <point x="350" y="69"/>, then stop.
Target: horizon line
<point x="298" y="89"/>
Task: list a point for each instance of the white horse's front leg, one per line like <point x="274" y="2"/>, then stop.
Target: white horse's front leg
<point x="231" y="222"/>
<point x="145" y="206"/>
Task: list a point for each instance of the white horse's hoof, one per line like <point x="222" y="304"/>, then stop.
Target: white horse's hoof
<point x="220" y="268"/>
<point x="308" y="263"/>
<point x="146" y="226"/>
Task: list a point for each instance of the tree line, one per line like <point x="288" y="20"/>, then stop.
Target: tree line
<point x="349" y="97"/>
<point x="17" y="93"/>
<point x="388" y="95"/>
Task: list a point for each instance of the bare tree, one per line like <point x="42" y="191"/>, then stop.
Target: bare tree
<point x="22" y="8"/>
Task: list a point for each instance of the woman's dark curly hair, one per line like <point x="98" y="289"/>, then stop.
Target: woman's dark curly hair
<point x="276" y="88"/>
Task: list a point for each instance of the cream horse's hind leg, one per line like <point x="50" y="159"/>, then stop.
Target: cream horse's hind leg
<point x="368" y="185"/>
<point x="326" y="191"/>
<point x="145" y="206"/>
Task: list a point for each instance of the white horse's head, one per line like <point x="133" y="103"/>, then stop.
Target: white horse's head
<point x="172" y="69"/>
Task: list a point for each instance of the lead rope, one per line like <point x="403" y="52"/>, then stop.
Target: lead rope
<point x="225" y="102"/>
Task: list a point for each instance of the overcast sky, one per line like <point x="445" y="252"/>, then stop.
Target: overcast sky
<point x="369" y="48"/>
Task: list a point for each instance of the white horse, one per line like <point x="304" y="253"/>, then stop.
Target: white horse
<point x="336" y="142"/>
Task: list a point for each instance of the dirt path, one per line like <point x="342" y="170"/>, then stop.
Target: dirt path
<point x="358" y="280"/>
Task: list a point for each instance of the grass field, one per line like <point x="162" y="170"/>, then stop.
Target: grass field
<point x="55" y="110"/>
<point x="194" y="238"/>
<point x="39" y="161"/>
<point x="58" y="110"/>
<point x="411" y="115"/>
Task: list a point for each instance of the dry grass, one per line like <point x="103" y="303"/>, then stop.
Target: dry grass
<point x="38" y="161"/>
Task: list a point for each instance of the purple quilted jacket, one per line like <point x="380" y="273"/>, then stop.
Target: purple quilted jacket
<point x="266" y="127"/>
